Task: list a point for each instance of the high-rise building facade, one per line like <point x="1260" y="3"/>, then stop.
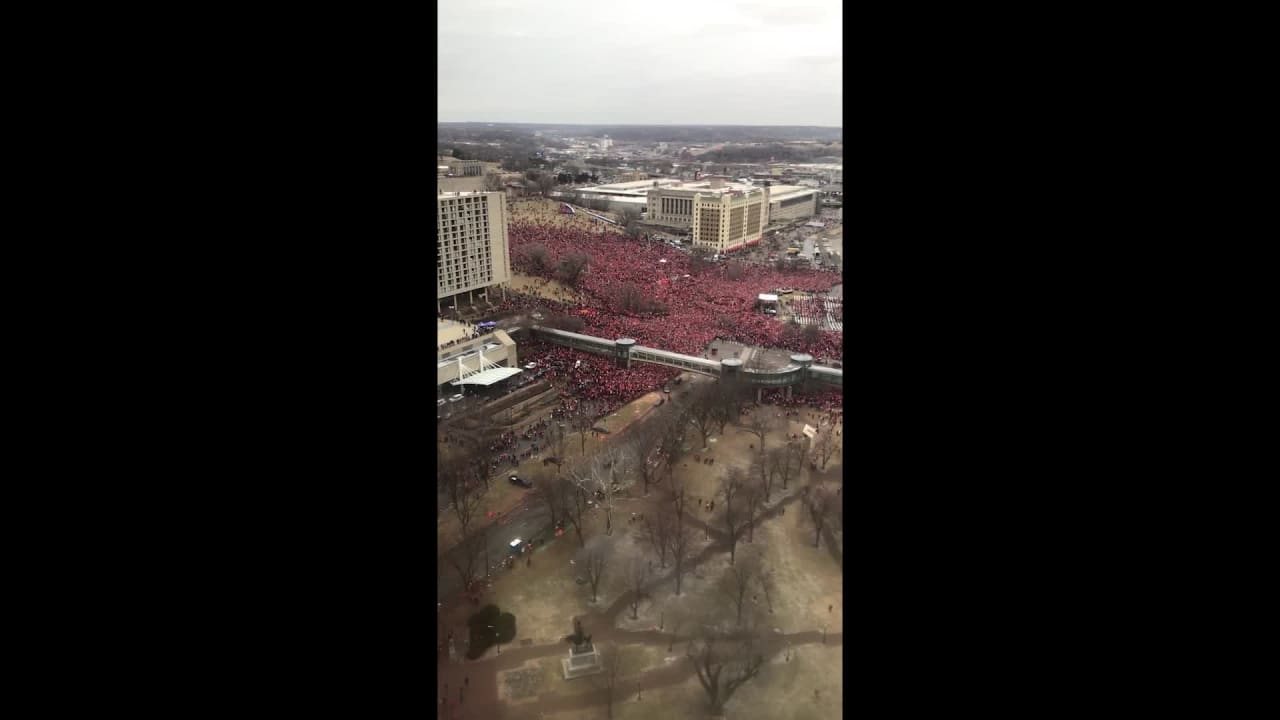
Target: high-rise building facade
<point x="472" y="251"/>
<point x="729" y="220"/>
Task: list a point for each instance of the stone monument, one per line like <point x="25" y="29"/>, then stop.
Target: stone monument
<point x="583" y="658"/>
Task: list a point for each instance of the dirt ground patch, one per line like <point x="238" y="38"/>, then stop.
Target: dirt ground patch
<point x="685" y="700"/>
<point x="807" y="578"/>
<point x="784" y="690"/>
<point x="545" y="288"/>
<point x="547" y="212"/>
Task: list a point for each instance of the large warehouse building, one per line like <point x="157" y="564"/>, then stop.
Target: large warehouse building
<point x="471" y="244"/>
<point x="675" y="203"/>
<point x="793" y="202"/>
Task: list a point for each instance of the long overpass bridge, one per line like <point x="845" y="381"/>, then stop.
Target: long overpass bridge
<point x="625" y="351"/>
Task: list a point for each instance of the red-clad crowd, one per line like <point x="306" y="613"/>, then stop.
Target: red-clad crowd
<point x="825" y="403"/>
<point x="581" y="377"/>
<point x="700" y="307"/>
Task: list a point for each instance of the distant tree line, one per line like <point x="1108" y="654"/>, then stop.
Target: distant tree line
<point x="762" y="153"/>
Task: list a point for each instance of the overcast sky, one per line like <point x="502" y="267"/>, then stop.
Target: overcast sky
<point x="692" y="62"/>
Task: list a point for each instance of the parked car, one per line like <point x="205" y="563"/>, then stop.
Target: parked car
<point x="455" y="398"/>
<point x="517" y="480"/>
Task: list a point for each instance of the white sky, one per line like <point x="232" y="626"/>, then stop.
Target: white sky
<point x="690" y="62"/>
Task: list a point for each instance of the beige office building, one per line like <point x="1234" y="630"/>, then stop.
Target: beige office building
<point x="728" y="220"/>
<point x="472" y="251"/>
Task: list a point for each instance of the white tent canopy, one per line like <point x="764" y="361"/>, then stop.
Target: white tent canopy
<point x="488" y="377"/>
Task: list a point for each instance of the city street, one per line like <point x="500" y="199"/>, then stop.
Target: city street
<point x="531" y="523"/>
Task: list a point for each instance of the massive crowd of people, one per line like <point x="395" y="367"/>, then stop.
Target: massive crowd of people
<point x="699" y="308"/>
<point x="826" y="402"/>
<point x="581" y="377"/>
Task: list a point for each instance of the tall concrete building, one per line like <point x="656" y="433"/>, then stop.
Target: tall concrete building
<point x="728" y="220"/>
<point x="472" y="251"/>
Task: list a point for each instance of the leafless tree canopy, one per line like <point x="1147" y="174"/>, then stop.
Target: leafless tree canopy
<point x="466" y="558"/>
<point x="536" y="255"/>
<point x="680" y="544"/>
<point x="557" y="440"/>
<point x="643" y="453"/>
<point x="552" y="490"/>
<point x="592" y="561"/>
<point x="762" y="423"/>
<point x="584" y="418"/>
<point x="463" y="494"/>
<point x="701" y="408"/>
<point x="823" y="505"/>
<point x="581" y="479"/>
<point x="659" y="527"/>
<point x="784" y="464"/>
<point x="723" y="665"/>
<point x="753" y="491"/>
<point x="730" y="494"/>
<point x="637" y="576"/>
<point x="571" y="268"/>
<point x="617" y="664"/>
<point x="741" y="583"/>
<point x="826" y="444"/>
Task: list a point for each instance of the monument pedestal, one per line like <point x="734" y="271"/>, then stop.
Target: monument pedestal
<point x="582" y="660"/>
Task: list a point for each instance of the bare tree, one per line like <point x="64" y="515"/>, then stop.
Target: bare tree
<point x="617" y="665"/>
<point x="593" y="559"/>
<point x="762" y="423"/>
<point x="493" y="181"/>
<point x="644" y="453"/>
<point x="723" y="665"/>
<point x="753" y="493"/>
<point x="784" y="464"/>
<point x="551" y="490"/>
<point x="730" y="491"/>
<point x="612" y="468"/>
<point x="571" y="268"/>
<point x="557" y="440"/>
<point x="545" y="182"/>
<point x="577" y="496"/>
<point x="701" y="410"/>
<point x="738" y="582"/>
<point x="826" y="444"/>
<point x="822" y="505"/>
<point x="583" y="419"/>
<point x="767" y="585"/>
<point x="680" y="543"/>
<point x="659" y="527"/>
<point x="537" y="257"/>
<point x="673" y="441"/>
<point x="637" y="576"/>
<point x="796" y="451"/>
<point x="463" y="494"/>
<point x="465" y="558"/>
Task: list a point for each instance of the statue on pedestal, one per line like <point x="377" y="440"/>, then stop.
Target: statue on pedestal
<point x="583" y="658"/>
<point x="578" y="638"/>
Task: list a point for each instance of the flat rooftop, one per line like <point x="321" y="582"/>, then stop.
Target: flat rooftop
<point x="786" y="192"/>
<point x="641" y="188"/>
